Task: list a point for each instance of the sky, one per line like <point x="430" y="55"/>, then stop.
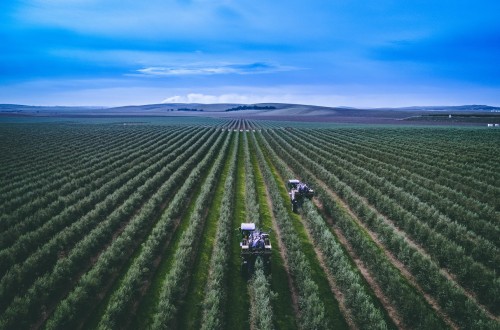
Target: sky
<point x="371" y="53"/>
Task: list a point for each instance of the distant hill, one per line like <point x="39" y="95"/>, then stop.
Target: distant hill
<point x="35" y="108"/>
<point x="304" y="109"/>
<point x="273" y="111"/>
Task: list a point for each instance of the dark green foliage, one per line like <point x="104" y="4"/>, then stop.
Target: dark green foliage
<point x="144" y="264"/>
<point x="447" y="253"/>
<point x="463" y="311"/>
<point x="252" y="107"/>
<point x="311" y="307"/>
<point x="89" y="212"/>
<point x="215" y="296"/>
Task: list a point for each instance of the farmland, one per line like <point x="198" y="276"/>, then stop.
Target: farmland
<point x="131" y="224"/>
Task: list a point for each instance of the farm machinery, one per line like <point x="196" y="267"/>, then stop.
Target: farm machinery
<point x="298" y="191"/>
<point x="254" y="244"/>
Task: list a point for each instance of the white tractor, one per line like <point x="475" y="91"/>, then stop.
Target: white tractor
<point x="254" y="244"/>
<point x="298" y="191"/>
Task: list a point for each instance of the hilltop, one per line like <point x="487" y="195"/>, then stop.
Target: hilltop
<point x="462" y="114"/>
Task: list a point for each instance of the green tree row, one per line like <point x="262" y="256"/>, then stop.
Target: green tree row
<point x="469" y="273"/>
<point x="446" y="168"/>
<point x="482" y="216"/>
<point x="58" y="191"/>
<point x="394" y="185"/>
<point x="50" y="158"/>
<point x="359" y="302"/>
<point x="47" y="289"/>
<point x="451" y="297"/>
<point x="44" y="223"/>
<point x="22" y="275"/>
<point x="312" y="310"/>
<point x="175" y="284"/>
<point x="216" y="286"/>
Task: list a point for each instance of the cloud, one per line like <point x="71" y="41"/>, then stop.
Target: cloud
<point x="285" y="94"/>
<point x="251" y="68"/>
<point x="207" y="98"/>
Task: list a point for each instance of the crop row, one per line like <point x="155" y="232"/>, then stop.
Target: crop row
<point x="216" y="286"/>
<point x="114" y="257"/>
<point x="51" y="161"/>
<point x="261" y="311"/>
<point x="261" y="295"/>
<point x="407" y="194"/>
<point x="409" y="304"/>
<point x="23" y="150"/>
<point x="451" y="297"/>
<point x="453" y="174"/>
<point x="469" y="273"/>
<point x="40" y="181"/>
<point x="312" y="310"/>
<point x="144" y="264"/>
<point x="251" y="204"/>
<point x="357" y="299"/>
<point x="433" y="175"/>
<point x="471" y="149"/>
<point x="472" y="156"/>
<point x="19" y="277"/>
<point x="38" y="192"/>
<point x="43" y="290"/>
<point x="174" y="284"/>
<point x="87" y="190"/>
<point x="283" y="302"/>
<point x="53" y="222"/>
<point x="429" y="172"/>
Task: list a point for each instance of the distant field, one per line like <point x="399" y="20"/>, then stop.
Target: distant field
<point x="458" y="118"/>
<point x="466" y="115"/>
<point x="116" y="223"/>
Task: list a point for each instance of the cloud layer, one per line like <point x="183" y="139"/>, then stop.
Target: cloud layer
<point x="251" y="68"/>
<point x="335" y="52"/>
<point x="204" y="98"/>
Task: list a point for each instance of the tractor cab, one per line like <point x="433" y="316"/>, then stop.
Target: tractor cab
<point x="247" y="230"/>
<point x="254" y="244"/>
<point x="298" y="191"/>
<point x="293" y="184"/>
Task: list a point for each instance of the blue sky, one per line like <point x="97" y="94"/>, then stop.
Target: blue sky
<point x="338" y="53"/>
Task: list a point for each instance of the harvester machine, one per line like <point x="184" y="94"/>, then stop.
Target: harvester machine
<point x="298" y="191"/>
<point x="254" y="244"/>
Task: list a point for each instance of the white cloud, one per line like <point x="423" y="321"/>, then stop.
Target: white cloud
<point x="207" y="98"/>
<point x="165" y="71"/>
<point x="259" y="96"/>
<point x="250" y="68"/>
